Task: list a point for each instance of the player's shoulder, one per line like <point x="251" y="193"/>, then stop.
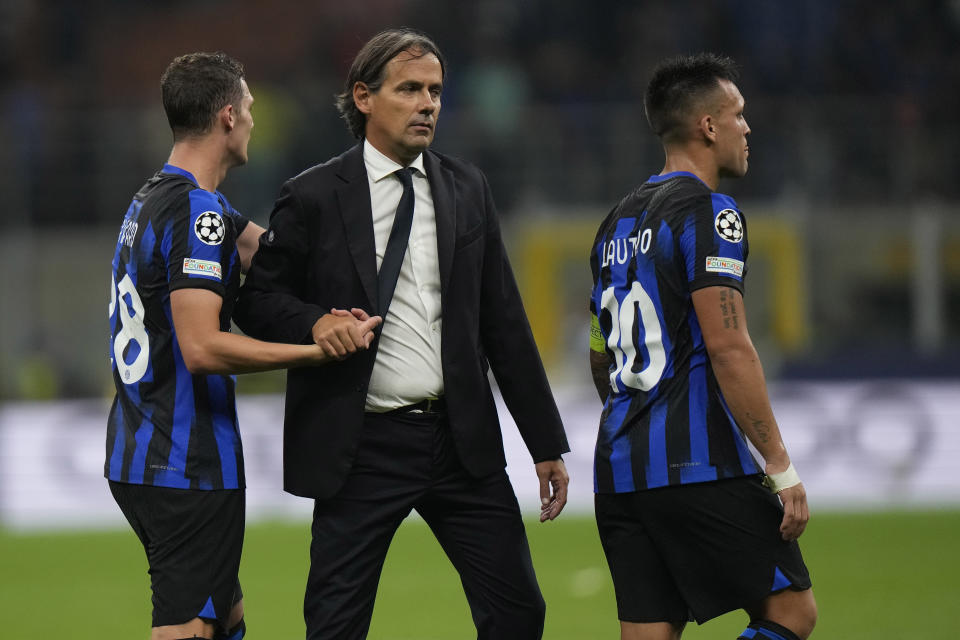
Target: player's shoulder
<point x="678" y="186"/>
<point x="164" y="193"/>
<point x="722" y="201"/>
<point x="684" y="189"/>
<point x="728" y="220"/>
<point x="677" y="196"/>
<point x="177" y="199"/>
<point x="163" y="184"/>
<point x="225" y="203"/>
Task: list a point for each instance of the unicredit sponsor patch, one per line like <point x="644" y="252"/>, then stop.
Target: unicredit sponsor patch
<point x="727" y="266"/>
<point x="202" y="268"/>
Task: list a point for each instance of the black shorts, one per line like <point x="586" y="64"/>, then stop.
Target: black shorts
<point x="696" y="551"/>
<point x="193" y="541"/>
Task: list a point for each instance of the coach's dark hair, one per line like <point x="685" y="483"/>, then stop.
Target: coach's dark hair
<point x="370" y="68"/>
<point x="679" y="84"/>
<point x="195" y="87"/>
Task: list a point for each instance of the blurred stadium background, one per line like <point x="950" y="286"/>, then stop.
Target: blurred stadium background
<point x="854" y="289"/>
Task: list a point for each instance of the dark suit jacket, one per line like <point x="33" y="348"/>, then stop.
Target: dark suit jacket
<point x="319" y="253"/>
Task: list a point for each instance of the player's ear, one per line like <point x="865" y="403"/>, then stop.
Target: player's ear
<point x="361" y="97"/>
<point x="707" y="128"/>
<point x="227" y="117"/>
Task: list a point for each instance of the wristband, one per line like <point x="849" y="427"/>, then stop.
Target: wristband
<point x="777" y="482"/>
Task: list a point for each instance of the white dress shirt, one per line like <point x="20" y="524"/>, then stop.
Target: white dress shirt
<point x="407" y="368"/>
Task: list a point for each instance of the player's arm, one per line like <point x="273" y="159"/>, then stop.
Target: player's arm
<point x="600" y="360"/>
<point x="208" y="350"/>
<point x="247" y="243"/>
<point x="723" y="321"/>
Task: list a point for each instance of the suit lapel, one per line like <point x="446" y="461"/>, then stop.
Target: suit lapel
<point x="353" y="197"/>
<point x="444" y="193"/>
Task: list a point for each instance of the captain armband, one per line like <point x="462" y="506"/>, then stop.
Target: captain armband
<point x="777" y="482"/>
<point x="597" y="342"/>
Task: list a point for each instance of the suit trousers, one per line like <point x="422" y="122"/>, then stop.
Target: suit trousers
<point x="407" y="461"/>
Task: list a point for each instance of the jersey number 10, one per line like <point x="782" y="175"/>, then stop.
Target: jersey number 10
<point x="621" y="340"/>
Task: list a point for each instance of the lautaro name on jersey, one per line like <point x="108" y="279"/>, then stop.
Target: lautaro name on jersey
<point x="665" y="421"/>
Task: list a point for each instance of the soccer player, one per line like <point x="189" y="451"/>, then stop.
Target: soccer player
<point x="690" y="525"/>
<point x="173" y="456"/>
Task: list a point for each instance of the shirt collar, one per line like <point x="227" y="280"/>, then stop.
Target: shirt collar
<point x="676" y="174"/>
<point x="169" y="168"/>
<point x="380" y="166"/>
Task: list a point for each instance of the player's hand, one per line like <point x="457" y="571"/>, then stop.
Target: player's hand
<point x="341" y="334"/>
<point x="796" y="514"/>
<point x="553" y="488"/>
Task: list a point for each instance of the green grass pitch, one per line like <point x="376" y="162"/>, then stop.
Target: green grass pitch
<point x="877" y="576"/>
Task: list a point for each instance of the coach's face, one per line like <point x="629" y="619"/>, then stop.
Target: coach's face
<point x="731" y="131"/>
<point x="402" y="114"/>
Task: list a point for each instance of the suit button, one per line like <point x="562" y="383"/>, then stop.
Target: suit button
<point x="360" y="388"/>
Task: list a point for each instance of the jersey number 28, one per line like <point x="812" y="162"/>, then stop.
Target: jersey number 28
<point x="130" y="311"/>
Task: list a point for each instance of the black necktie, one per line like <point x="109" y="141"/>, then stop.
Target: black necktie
<point x="397" y="244"/>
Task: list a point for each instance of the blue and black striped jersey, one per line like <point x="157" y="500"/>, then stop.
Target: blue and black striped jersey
<point x="168" y="427"/>
<point x="665" y="421"/>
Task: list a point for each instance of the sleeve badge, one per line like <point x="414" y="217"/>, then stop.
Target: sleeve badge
<point x="729" y="226"/>
<point x="209" y="228"/>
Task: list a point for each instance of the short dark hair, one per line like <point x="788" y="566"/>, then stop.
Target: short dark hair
<point x="370" y="64"/>
<point x="679" y="84"/>
<point x="195" y="87"/>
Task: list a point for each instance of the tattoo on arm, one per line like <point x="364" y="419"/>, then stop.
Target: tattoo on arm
<point x="760" y="428"/>
<point x="728" y="310"/>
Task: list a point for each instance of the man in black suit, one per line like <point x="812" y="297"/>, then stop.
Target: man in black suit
<point x="410" y="424"/>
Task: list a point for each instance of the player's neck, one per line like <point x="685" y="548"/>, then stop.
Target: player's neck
<point x="696" y="163"/>
<point x="202" y="160"/>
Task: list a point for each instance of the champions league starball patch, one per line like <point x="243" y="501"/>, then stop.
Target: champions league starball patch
<point x="209" y="228"/>
<point x="728" y="225"/>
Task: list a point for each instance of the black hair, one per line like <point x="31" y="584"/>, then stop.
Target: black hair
<point x="679" y="84"/>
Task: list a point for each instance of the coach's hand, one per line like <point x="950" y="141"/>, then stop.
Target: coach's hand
<point x="553" y="488"/>
<point x="796" y="514"/>
<point x="342" y="333"/>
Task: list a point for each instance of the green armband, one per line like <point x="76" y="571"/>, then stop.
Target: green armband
<point x="597" y="342"/>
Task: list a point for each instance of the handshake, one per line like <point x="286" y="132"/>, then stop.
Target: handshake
<point x="341" y="333"/>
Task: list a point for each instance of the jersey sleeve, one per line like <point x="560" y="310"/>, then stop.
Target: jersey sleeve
<point x="199" y="243"/>
<point x="713" y="243"/>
